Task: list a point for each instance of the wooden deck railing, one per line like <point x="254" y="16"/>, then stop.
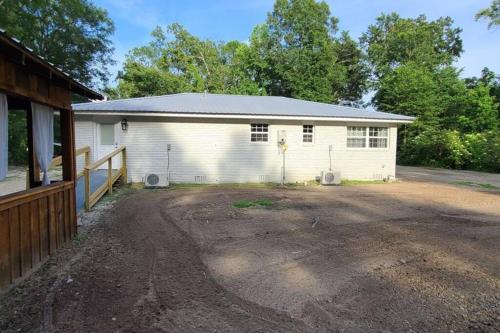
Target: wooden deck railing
<point x="80" y="151"/>
<point x="57" y="161"/>
<point x="92" y="198"/>
<point x="33" y="224"/>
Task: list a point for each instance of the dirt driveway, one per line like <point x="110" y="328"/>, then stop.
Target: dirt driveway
<point x="469" y="178"/>
<point x="393" y="257"/>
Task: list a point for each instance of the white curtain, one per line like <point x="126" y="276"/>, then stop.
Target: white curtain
<point x="4" y="136"/>
<point x="43" y="137"/>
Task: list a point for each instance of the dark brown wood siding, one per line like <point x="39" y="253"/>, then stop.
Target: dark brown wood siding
<point x="33" y="225"/>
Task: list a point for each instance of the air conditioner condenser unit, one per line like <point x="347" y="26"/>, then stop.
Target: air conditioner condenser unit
<point x="330" y="178"/>
<point x="152" y="180"/>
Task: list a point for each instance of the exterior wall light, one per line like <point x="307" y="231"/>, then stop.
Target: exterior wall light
<point x="124" y="124"/>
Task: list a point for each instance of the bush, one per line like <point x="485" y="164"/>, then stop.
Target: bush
<point x="435" y="147"/>
<point x="450" y="149"/>
<point x="484" y="149"/>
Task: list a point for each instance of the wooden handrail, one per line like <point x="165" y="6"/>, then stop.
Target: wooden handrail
<point x="103" y="160"/>
<point x="56" y="161"/>
<point x="92" y="198"/>
<point x="15" y="199"/>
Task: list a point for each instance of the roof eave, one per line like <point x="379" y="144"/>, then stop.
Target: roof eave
<point x="26" y="53"/>
<point x="239" y="116"/>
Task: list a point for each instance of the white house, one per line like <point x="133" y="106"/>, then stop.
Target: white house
<point x="229" y="138"/>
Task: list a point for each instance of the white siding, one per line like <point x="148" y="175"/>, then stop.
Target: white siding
<point x="84" y="136"/>
<point x="222" y="152"/>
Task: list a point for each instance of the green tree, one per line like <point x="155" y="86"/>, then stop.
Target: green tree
<point x="350" y="81"/>
<point x="303" y="58"/>
<point x="18" y="138"/>
<point x="393" y="41"/>
<point x="240" y="78"/>
<point x="472" y="111"/>
<point x="413" y="74"/>
<point x="295" y="53"/>
<point x="73" y="34"/>
<point x="492" y="14"/>
<point x="491" y="80"/>
<point x="175" y="61"/>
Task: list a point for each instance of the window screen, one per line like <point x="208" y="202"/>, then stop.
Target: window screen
<point x="356" y="137"/>
<point x="307" y="133"/>
<point x="107" y="134"/>
<point x="378" y="137"/>
<point x="371" y="137"/>
<point x="259" y="132"/>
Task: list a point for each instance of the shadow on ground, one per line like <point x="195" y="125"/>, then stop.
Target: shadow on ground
<point x="395" y="257"/>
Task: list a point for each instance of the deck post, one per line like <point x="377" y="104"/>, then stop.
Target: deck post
<point x="86" y="173"/>
<point x="110" y="175"/>
<point x="87" y="157"/>
<point x="124" y="165"/>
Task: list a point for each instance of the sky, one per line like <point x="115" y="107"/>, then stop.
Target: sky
<point x="224" y="20"/>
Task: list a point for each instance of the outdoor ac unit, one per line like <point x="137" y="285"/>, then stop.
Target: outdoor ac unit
<point x="156" y="180"/>
<point x="330" y="178"/>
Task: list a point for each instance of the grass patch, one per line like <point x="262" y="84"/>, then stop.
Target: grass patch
<point x="253" y="203"/>
<point x="473" y="184"/>
<point x="348" y="182"/>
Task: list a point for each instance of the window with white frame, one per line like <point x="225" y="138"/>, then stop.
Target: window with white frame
<point x="377" y="137"/>
<point x="259" y="132"/>
<point x="367" y="137"/>
<point x="307" y="133"/>
<point x="356" y="137"/>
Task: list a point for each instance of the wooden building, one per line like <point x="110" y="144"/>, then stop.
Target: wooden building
<point x="36" y="222"/>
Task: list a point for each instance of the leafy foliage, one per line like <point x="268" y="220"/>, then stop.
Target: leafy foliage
<point x="294" y="53"/>
<point x="18" y="138"/>
<point x="73" y="34"/>
<point x="176" y="61"/>
<point x="297" y="52"/>
<point x="394" y="41"/>
<point x="457" y="120"/>
<point x="492" y="14"/>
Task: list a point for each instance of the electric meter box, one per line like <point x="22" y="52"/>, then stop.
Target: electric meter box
<point x="282" y="137"/>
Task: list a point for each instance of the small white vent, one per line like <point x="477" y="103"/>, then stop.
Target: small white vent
<point x="264" y="178"/>
<point x="200" y="179"/>
<point x="378" y="176"/>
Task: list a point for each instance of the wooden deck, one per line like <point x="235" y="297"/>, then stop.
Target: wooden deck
<point x="97" y="179"/>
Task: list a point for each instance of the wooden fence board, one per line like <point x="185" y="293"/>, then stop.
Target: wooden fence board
<point x="33" y="227"/>
<point x="15" y="257"/>
<point x="35" y="233"/>
<point x="52" y="224"/>
<point x="72" y="213"/>
<point x="66" y="220"/>
<point x="25" y="237"/>
<point x="60" y="219"/>
<point x="5" y="277"/>
<point x="43" y="217"/>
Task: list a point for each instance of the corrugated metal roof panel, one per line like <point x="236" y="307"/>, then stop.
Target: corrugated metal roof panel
<point x="218" y="104"/>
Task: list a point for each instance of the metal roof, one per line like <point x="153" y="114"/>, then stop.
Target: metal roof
<point x="25" y="53"/>
<point x="233" y="105"/>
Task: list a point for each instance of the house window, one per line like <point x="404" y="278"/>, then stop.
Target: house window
<point x="259" y="132"/>
<point x="377" y="137"/>
<point x="307" y="133"/>
<point x="107" y="134"/>
<point x="356" y="137"/>
<point x="363" y="137"/>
